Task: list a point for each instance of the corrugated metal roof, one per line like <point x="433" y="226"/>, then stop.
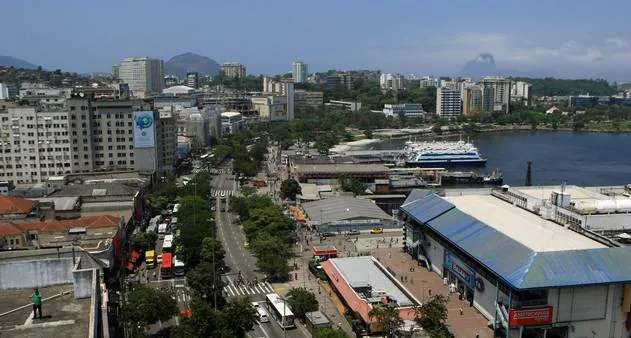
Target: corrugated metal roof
<point x="341" y="208"/>
<point x="516" y="264"/>
<point x="427" y="208"/>
<point x="416" y="194"/>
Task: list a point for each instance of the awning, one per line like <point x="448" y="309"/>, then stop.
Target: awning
<point x="624" y="235"/>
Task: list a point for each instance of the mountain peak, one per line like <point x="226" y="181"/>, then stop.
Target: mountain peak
<point x="181" y="64"/>
<point x="10" y="61"/>
<point x="479" y="67"/>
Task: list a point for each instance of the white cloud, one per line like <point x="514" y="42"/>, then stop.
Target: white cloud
<point x="619" y="43"/>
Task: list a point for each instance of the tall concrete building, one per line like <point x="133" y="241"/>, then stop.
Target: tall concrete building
<point x="471" y="100"/>
<point x="144" y="75"/>
<point x="299" y="71"/>
<point x="392" y="81"/>
<point x="4" y="92"/>
<point x="233" y="69"/>
<point x="448" y="103"/>
<point x="192" y="79"/>
<point x="86" y="135"/>
<point x="522" y="91"/>
<point x="501" y="94"/>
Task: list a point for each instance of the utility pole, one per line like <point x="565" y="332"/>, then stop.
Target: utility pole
<point x="529" y="174"/>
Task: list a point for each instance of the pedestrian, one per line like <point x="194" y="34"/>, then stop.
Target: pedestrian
<point x="477" y="334"/>
<point x="445" y="281"/>
<point x="429" y="291"/>
<point x="461" y="312"/>
<point x="36" y="298"/>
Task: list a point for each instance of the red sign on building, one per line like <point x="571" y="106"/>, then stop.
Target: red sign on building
<point x="530" y="316"/>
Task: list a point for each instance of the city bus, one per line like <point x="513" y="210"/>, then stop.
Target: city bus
<point x="279" y="310"/>
<point x="150" y="259"/>
<point x="167" y="244"/>
<point x="178" y="267"/>
<point x="166" y="270"/>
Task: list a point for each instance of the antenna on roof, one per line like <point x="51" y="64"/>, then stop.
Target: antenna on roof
<point x="529" y="174"/>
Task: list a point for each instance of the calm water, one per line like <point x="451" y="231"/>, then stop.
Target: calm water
<point x="577" y="158"/>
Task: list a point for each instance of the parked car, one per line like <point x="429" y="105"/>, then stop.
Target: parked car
<point x="328" y="234"/>
<point x="353" y="232"/>
<point x="376" y="231"/>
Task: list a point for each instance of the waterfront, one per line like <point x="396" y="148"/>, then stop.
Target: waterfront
<point x="578" y="158"/>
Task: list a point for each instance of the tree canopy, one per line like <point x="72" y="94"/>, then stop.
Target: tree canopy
<point x="328" y="332"/>
<point x="146" y="306"/>
<point x="432" y="316"/>
<point x="301" y="301"/>
<point x="388" y="319"/>
<point x="289" y="188"/>
<point x="235" y="319"/>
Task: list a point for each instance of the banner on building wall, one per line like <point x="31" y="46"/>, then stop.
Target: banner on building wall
<point x="463" y="271"/>
<point x="530" y="316"/>
<point x="144" y="129"/>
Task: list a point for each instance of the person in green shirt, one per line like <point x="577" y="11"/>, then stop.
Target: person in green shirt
<point x="36" y="298"/>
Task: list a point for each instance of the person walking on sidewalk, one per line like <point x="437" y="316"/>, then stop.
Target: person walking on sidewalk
<point x="36" y="298"/>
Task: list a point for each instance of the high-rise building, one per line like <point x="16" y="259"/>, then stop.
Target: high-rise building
<point x="144" y="75"/>
<point x="500" y="102"/>
<point x="170" y="81"/>
<point x="304" y="99"/>
<point x="299" y="71"/>
<point x="233" y="69"/>
<point x="192" y="79"/>
<point x="4" y="92"/>
<point x="340" y="80"/>
<point x="392" y="81"/>
<point x="86" y="135"/>
<point x="522" y="91"/>
<point x="471" y="100"/>
<point x="448" y="103"/>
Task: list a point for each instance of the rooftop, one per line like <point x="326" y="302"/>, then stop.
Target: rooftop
<point x="511" y="261"/>
<point x="100" y="189"/>
<point x="64" y="316"/>
<point x="544" y="192"/>
<point x="341" y="168"/>
<point x="15" y="205"/>
<point x="363" y="271"/>
<point x="230" y="114"/>
<point x="525" y="227"/>
<point x="95" y="222"/>
<point x="61" y="203"/>
<point x="341" y="208"/>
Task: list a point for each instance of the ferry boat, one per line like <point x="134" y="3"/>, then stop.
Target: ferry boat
<point x="442" y="154"/>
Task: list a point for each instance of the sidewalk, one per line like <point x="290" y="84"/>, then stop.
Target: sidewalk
<point x="421" y="281"/>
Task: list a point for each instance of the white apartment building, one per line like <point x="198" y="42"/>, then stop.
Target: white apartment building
<point x="448" y="103"/>
<point x="231" y="122"/>
<point x="144" y="75"/>
<point x="392" y="81"/>
<point x="497" y="92"/>
<point x="233" y="69"/>
<point x="38" y="143"/>
<point x="299" y="71"/>
<point x="522" y="91"/>
<point x="4" y="91"/>
<point x="407" y="110"/>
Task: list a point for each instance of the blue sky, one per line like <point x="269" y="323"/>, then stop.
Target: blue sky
<point x="563" y="38"/>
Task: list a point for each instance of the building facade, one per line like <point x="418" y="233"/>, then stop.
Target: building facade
<point x="522" y="91"/>
<point x="233" y="69"/>
<point x="271" y="107"/>
<point x="471" y="100"/>
<point x="339" y="80"/>
<point x="299" y="71"/>
<point x="231" y="122"/>
<point x="499" y="98"/>
<point x="4" y="92"/>
<point x="87" y="135"/>
<point x="304" y="99"/>
<point x="412" y="110"/>
<point x="192" y="79"/>
<point x="448" y="103"/>
<point x="144" y="75"/>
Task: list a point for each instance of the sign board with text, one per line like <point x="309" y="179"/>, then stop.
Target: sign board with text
<point x="463" y="271"/>
<point x="530" y="316"/>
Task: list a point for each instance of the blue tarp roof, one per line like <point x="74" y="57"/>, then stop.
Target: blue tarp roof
<point x="514" y="263"/>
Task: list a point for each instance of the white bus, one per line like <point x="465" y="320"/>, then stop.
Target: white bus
<point x="162" y="228"/>
<point x="178" y="267"/>
<point x="167" y="244"/>
<point x="279" y="310"/>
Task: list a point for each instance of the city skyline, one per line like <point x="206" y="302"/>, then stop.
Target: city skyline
<point x="568" y="41"/>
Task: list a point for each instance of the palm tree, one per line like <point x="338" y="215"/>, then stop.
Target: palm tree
<point x="387" y="317"/>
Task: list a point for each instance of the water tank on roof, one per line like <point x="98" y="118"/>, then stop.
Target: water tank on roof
<point x="610" y="206"/>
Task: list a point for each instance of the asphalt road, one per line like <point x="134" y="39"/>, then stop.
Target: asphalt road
<point x="239" y="259"/>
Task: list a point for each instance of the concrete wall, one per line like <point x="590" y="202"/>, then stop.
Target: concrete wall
<point x="83" y="283"/>
<point x="36" y="273"/>
<point x="484" y="301"/>
<point x="436" y="255"/>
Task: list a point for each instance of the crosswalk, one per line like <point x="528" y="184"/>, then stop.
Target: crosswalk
<point x="232" y="290"/>
<point x="221" y="193"/>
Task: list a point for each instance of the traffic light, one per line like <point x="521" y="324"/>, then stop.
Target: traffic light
<point x="405" y="237"/>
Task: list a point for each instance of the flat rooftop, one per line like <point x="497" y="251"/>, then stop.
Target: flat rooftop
<point x="525" y="227"/>
<point x="575" y="192"/>
<point x="64" y="316"/>
<point x="363" y="271"/>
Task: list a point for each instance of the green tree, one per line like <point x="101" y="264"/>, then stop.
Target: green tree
<point x="194" y="227"/>
<point x="387" y="317"/>
<point x="289" y="188"/>
<point x="432" y="316"/>
<point x="144" y="240"/>
<point x="272" y="254"/>
<point x="146" y="306"/>
<point x="212" y="249"/>
<point x="205" y="282"/>
<point x="368" y="133"/>
<point x="353" y="185"/>
<point x="238" y="317"/>
<point x="328" y="332"/>
<point x="301" y="301"/>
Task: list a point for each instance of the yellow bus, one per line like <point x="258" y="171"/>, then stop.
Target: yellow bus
<point x="150" y="259"/>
